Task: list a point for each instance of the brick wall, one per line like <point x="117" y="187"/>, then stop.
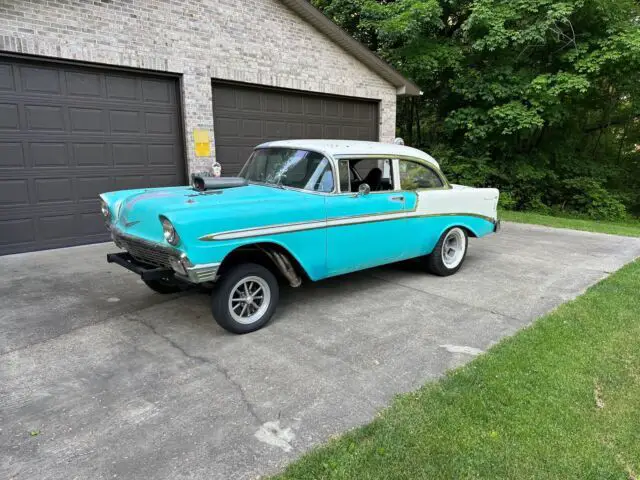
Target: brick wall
<point x="254" y="41"/>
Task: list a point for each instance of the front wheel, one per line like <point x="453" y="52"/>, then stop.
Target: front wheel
<point x="245" y="298"/>
<point x="449" y="253"/>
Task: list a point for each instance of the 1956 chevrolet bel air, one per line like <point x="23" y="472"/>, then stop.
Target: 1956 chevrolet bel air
<point x="300" y="209"/>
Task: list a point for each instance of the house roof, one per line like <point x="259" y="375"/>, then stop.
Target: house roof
<point x="316" y="18"/>
<point x="352" y="147"/>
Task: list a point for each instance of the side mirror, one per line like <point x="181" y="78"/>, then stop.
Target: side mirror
<point x="364" y="189"/>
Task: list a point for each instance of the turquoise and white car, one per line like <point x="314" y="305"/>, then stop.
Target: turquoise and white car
<point x="300" y="210"/>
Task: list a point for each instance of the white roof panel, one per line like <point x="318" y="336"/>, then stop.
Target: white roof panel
<point x="353" y="147"/>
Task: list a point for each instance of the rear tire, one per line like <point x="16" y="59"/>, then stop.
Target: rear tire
<point x="245" y="298"/>
<point x="449" y="253"/>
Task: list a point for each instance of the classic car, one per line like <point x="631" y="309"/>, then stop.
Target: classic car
<point x="300" y="210"/>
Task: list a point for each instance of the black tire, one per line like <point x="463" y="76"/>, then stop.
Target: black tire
<point x="435" y="262"/>
<point x="228" y="284"/>
<point x="165" y="287"/>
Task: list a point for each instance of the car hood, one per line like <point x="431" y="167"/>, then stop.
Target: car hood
<point x="195" y="214"/>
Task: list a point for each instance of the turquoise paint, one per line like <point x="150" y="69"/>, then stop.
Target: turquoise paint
<point x="354" y="247"/>
<point x="322" y="252"/>
<point x="424" y="232"/>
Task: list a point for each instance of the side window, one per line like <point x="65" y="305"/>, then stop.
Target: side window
<point x="377" y="173"/>
<point x="414" y="175"/>
<point x="322" y="179"/>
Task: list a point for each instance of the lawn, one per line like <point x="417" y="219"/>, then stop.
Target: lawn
<point x="629" y="228"/>
<point x="561" y="399"/>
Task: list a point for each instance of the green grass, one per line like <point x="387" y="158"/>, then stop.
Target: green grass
<point x="559" y="400"/>
<point x="629" y="228"/>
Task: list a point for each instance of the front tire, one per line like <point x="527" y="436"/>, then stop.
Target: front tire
<point x="245" y="298"/>
<point x="449" y="253"/>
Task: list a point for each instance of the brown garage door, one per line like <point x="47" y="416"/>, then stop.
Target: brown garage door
<point x="68" y="134"/>
<point x="245" y="116"/>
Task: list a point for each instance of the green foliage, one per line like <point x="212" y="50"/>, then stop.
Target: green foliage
<point x="540" y="98"/>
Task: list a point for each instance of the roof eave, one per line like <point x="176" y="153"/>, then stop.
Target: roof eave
<point x="316" y="18"/>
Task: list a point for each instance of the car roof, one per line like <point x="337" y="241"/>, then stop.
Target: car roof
<point x="353" y="147"/>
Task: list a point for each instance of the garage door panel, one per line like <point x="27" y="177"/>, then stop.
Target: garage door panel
<point x="275" y="130"/>
<point x="159" y="123"/>
<point x="57" y="227"/>
<point x="14" y="192"/>
<point x="48" y="154"/>
<point x="40" y="80"/>
<point x="6" y="78"/>
<point x="91" y="154"/>
<point x="17" y="231"/>
<point x="84" y="84"/>
<point x="251" y="101"/>
<point x="314" y="130"/>
<point x="87" y="120"/>
<point x="9" y="117"/>
<point x="273" y="102"/>
<point x="68" y="134"/>
<point x="294" y="105"/>
<point x="53" y="190"/>
<point x="248" y="115"/>
<point x="44" y="117"/>
<point x="296" y="130"/>
<point x="123" y="121"/>
<point x="126" y="182"/>
<point x="123" y="88"/>
<point x="162" y="180"/>
<point x="125" y="154"/>
<point x="313" y="106"/>
<point x="156" y="91"/>
<point x="161" y="154"/>
<point x="89" y="188"/>
<point x="11" y="155"/>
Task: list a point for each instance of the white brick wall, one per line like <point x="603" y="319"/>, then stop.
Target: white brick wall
<point x="254" y="41"/>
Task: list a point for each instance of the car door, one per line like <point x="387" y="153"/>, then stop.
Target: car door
<point x="364" y="230"/>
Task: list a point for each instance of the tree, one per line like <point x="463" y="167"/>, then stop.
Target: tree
<point x="538" y="97"/>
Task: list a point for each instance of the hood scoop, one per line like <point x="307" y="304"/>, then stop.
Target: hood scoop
<point x="203" y="184"/>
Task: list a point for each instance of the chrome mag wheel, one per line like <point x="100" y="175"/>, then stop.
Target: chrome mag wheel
<point x="249" y="300"/>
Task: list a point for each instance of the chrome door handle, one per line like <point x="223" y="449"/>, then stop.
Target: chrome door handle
<point x="397" y="199"/>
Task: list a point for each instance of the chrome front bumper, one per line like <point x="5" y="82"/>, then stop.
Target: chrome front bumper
<point x="148" y="255"/>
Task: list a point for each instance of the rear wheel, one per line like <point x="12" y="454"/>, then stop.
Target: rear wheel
<point x="245" y="298"/>
<point x="449" y="253"/>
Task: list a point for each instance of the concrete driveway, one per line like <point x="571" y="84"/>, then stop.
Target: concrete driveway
<point x="115" y="381"/>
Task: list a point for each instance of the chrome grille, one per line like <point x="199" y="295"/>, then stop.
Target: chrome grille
<point x="144" y="251"/>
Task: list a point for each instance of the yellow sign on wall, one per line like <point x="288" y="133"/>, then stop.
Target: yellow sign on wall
<point x="203" y="144"/>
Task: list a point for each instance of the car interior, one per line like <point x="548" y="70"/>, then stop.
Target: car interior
<point x="374" y="172"/>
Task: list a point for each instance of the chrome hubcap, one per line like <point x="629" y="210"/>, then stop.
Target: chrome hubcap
<point x="453" y="248"/>
<point x="249" y="300"/>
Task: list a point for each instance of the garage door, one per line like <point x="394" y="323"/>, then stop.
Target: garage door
<point x="245" y="116"/>
<point x="68" y="134"/>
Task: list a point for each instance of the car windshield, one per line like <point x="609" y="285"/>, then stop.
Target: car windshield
<point x="288" y="167"/>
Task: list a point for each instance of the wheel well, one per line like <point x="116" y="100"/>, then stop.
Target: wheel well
<point x="470" y="232"/>
<point x="262" y="254"/>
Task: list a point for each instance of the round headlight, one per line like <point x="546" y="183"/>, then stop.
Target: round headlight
<point x="170" y="234"/>
<point x="106" y="213"/>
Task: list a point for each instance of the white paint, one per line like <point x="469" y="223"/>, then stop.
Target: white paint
<point x="462" y="349"/>
<point x="474" y="201"/>
<point x="272" y="434"/>
<point x="353" y="147"/>
<point x="113" y="299"/>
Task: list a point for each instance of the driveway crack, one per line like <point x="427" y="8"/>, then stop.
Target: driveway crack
<point x="203" y="360"/>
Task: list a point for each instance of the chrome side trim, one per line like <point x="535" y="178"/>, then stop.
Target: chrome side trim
<point x="204" y="272"/>
<point x="330" y="222"/>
